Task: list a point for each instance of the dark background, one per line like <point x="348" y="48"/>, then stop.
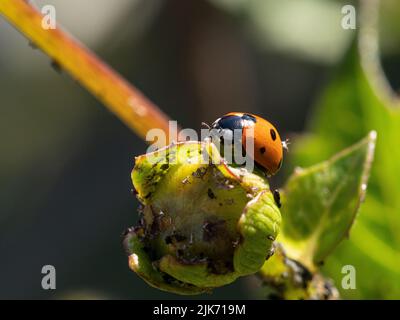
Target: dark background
<point x="65" y="160"/>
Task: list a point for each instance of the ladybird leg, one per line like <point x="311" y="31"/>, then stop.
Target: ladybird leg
<point x="277" y="198"/>
<point x="214" y="134"/>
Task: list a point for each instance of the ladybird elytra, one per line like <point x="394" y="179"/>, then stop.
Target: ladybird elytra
<point x="268" y="146"/>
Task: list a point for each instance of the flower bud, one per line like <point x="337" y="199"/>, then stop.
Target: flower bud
<point x="203" y="223"/>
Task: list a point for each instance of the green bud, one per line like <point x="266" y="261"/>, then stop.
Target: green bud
<point x="203" y="223"/>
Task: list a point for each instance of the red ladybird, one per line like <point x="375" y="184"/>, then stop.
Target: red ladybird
<point x="268" y="146"/>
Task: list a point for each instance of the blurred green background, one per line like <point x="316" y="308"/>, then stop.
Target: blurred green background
<point x="65" y="160"/>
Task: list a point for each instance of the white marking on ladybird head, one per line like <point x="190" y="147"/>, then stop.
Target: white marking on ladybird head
<point x="248" y="123"/>
<point x="285" y="144"/>
<point x="206" y="125"/>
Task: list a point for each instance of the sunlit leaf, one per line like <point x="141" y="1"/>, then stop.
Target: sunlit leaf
<point x="356" y="101"/>
<point x="321" y="202"/>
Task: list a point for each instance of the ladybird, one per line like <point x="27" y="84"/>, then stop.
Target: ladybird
<point x="268" y="146"/>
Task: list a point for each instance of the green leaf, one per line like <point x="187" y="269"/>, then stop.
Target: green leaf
<point x="320" y="202"/>
<point x="356" y="101"/>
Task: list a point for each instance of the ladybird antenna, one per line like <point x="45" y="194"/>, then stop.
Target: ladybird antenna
<point x="285" y="145"/>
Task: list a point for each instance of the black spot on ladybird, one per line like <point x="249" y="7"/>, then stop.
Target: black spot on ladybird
<point x="262" y="150"/>
<point x="273" y="134"/>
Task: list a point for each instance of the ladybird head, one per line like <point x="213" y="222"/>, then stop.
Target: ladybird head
<point x="268" y="146"/>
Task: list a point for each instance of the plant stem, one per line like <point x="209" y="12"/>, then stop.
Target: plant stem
<point x="285" y="278"/>
<point x="120" y="97"/>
